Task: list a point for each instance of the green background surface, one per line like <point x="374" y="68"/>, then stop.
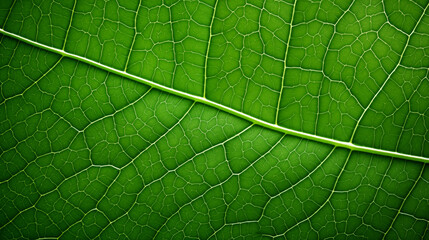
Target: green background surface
<point x="88" y="153"/>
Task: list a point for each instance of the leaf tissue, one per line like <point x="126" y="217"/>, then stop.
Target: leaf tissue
<point x="214" y="119"/>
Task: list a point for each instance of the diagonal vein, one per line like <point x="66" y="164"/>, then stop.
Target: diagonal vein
<point x="389" y="76"/>
<point x="285" y="64"/>
<point x="219" y="106"/>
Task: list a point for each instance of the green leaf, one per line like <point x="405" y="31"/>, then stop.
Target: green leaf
<point x="214" y="119"/>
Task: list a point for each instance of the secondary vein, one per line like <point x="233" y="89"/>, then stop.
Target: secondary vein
<point x="285" y="64"/>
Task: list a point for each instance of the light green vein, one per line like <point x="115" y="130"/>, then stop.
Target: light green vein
<point x="206" y="59"/>
<point x="285" y="64"/>
<point x="389" y="76"/>
<point x="219" y="106"/>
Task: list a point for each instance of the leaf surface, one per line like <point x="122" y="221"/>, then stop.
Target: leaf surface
<point x="214" y="119"/>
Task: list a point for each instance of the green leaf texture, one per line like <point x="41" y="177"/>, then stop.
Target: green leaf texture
<point x="214" y="119"/>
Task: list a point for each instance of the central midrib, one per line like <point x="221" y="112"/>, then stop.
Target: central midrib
<point x="219" y="106"/>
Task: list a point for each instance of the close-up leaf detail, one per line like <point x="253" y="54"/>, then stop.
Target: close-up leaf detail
<point x="214" y="119"/>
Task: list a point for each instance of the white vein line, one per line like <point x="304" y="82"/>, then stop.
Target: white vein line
<point x="219" y="106"/>
<point x="70" y="24"/>
<point x="390" y="75"/>
<point x="285" y="64"/>
<point x="206" y="59"/>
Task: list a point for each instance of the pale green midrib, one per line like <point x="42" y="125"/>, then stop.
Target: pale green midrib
<point x="219" y="106"/>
